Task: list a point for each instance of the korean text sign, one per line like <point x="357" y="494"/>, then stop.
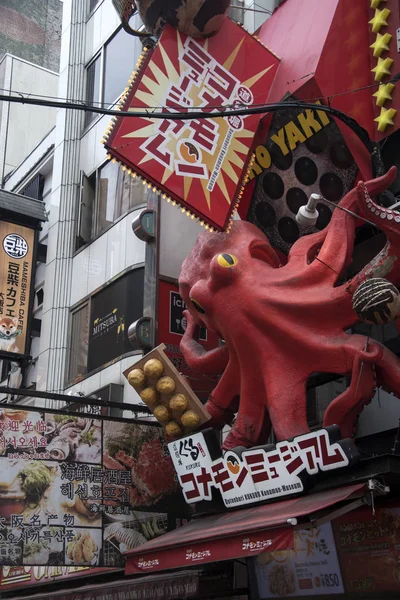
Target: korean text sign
<point x="73" y="488"/>
<point x="258" y="474"/>
<point x="16" y="258"/>
<point x="199" y="163"/>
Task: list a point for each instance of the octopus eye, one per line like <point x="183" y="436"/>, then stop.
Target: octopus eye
<point x="198" y="306"/>
<point x="227" y="260"/>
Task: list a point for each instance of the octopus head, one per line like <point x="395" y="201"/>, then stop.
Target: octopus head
<point x="216" y="263"/>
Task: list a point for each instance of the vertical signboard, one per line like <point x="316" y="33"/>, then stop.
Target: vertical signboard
<point x="16" y="262"/>
<point x="199" y="163"/>
<point x="79" y="490"/>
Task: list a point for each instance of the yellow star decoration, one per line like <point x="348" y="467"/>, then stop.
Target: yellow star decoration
<point x="385" y="118"/>
<point x="382" y="68"/>
<point x="384" y="93"/>
<point x="376" y="3"/>
<point x="381" y="44"/>
<point x="379" y="19"/>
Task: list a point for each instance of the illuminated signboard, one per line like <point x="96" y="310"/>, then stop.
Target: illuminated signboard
<point x="16" y="259"/>
<point x="73" y="489"/>
<point x="247" y="476"/>
<point x="200" y="164"/>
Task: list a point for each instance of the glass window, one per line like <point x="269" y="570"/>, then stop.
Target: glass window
<point x="121" y="54"/>
<point x="92" y="87"/>
<point x="117" y="193"/>
<point x="79" y="343"/>
<point x="107" y="187"/>
<point x="87" y="198"/>
<point x="92" y="4"/>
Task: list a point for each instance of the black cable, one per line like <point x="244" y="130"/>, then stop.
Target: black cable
<point x="362" y="133"/>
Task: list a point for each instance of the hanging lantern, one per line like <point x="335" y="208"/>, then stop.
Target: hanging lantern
<point x="376" y="301"/>
<point x="197" y="18"/>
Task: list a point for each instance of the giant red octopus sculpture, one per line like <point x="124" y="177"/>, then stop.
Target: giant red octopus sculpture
<point x="281" y="323"/>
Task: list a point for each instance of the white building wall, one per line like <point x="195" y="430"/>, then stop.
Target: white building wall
<point x="24" y="126"/>
<point x="72" y="276"/>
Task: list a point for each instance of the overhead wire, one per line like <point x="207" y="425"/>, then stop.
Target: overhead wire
<point x="331" y="96"/>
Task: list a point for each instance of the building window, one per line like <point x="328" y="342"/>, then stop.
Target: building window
<point x="113" y="66"/>
<point x="236" y="12"/>
<point x="93" y="72"/>
<point x="92" y="5"/>
<point x="106" y="195"/>
<point x="99" y="328"/>
<point x="34" y="189"/>
<point x="79" y="343"/>
<point x="39" y="297"/>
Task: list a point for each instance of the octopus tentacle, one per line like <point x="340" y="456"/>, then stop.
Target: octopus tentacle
<point x="197" y="357"/>
<point x="386" y="263"/>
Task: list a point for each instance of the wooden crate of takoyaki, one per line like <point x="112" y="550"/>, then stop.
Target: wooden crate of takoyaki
<point x="166" y="393"/>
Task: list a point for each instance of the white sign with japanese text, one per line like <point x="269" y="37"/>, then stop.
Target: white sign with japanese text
<point x="258" y="474"/>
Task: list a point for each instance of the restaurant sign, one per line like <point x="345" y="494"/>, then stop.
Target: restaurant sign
<point x="73" y="488"/>
<point x="258" y="474"/>
<point x="201" y="164"/>
<point x="16" y="259"/>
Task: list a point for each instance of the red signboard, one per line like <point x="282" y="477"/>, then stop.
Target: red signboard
<point x="199" y="163"/>
<point x="171" y="327"/>
<point x="16" y="577"/>
<point x="368" y="549"/>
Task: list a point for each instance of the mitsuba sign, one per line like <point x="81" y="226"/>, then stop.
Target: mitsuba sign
<point x="16" y="259"/>
<point x="259" y="474"/>
<point x="199" y="163"/>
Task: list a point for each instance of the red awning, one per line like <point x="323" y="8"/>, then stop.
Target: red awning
<point x="172" y="586"/>
<point x="233" y="535"/>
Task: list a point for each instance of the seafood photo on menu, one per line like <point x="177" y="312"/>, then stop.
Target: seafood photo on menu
<point x="72" y="438"/>
<point x="140" y="450"/>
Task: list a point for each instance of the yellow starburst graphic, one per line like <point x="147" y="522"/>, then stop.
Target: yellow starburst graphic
<point x="152" y="92"/>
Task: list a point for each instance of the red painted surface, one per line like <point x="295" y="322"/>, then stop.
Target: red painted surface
<point x="324" y="52"/>
<point x="233" y="535"/>
<point x="283" y="323"/>
<point x="297" y="33"/>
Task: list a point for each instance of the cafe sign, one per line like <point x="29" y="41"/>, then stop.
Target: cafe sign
<point x="16" y="261"/>
<point x="257" y="474"/>
<point x="200" y="164"/>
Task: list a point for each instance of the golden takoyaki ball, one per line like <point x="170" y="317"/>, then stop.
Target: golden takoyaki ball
<point x="153" y="368"/>
<point x="173" y="429"/>
<point x="137" y="379"/>
<point x="178" y="403"/>
<point x="190" y="419"/>
<point x="161" y="413"/>
<point x="166" y="385"/>
<point x="149" y="395"/>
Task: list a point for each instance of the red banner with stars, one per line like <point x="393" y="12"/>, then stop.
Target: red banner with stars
<point x="201" y="163"/>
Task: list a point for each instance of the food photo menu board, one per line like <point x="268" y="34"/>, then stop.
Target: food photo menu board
<point x="311" y="569"/>
<point x="78" y="490"/>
